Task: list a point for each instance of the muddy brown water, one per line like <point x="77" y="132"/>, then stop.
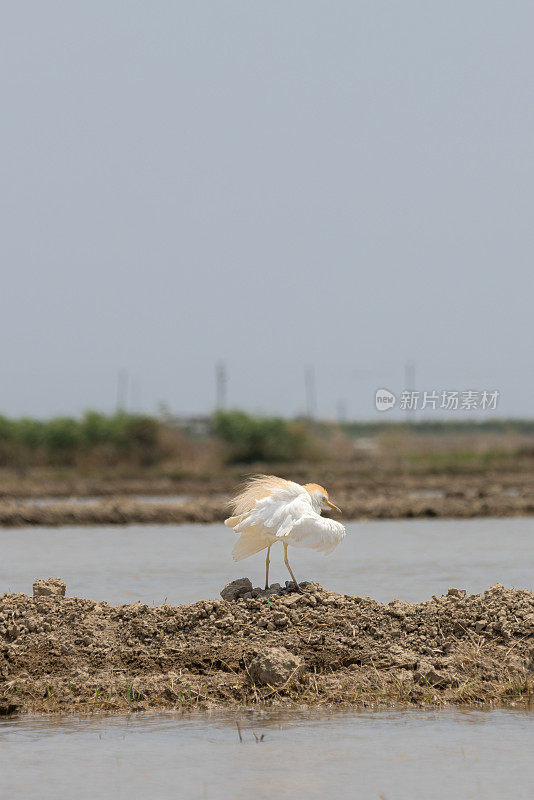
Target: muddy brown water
<point x="394" y="755"/>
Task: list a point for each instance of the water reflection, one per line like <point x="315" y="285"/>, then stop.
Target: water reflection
<point x="401" y="755"/>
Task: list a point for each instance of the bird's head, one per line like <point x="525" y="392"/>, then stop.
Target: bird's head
<point x="319" y="497"/>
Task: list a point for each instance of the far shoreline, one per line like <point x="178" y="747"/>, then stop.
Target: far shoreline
<point x="357" y="505"/>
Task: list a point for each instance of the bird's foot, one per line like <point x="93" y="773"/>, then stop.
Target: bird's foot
<point x="294" y="587"/>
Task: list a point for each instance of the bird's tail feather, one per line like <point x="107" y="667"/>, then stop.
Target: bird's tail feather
<point x="248" y="544"/>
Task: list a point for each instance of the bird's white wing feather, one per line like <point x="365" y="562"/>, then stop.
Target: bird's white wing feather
<point x="313" y="531"/>
<point x="286" y="514"/>
<point x="277" y="512"/>
<point x="271" y="518"/>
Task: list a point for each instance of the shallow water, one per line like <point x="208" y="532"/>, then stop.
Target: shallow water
<point x="152" y="499"/>
<point x="394" y="756"/>
<point x="408" y="559"/>
<point x="397" y="756"/>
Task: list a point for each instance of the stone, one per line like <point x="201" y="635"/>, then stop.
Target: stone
<point x="53" y="587"/>
<point x="236" y="589"/>
<point x="456" y="592"/>
<point x="275" y="666"/>
<point x="291" y="586"/>
<point x="426" y="674"/>
<point x="280" y="619"/>
<point x="7" y="708"/>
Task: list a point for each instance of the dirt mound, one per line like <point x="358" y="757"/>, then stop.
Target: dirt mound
<point x="70" y="654"/>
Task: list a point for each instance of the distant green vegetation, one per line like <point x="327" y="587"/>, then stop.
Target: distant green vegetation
<point x="253" y="438"/>
<point x="97" y="440"/>
<point x="234" y="437"/>
<point x="66" y="441"/>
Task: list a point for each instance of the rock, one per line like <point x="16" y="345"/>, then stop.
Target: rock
<point x="291" y="586"/>
<point x="280" y="619"/>
<point x="456" y="592"/>
<point x="427" y="674"/>
<point x="7" y="708"/>
<point x="235" y="589"/>
<point x="276" y="590"/>
<point x="293" y="600"/>
<point x="275" y="666"/>
<point x="49" y="588"/>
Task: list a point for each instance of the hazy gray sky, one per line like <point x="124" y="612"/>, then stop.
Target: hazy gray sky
<point x="347" y="185"/>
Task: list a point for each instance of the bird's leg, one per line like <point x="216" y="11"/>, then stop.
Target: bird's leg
<point x="297" y="587"/>
<point x="267" y="569"/>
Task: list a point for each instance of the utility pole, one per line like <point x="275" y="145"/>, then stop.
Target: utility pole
<point x="122" y="390"/>
<point x="309" y="387"/>
<point x="409" y="385"/>
<point x="135" y="404"/>
<point x="220" y="383"/>
<point x="341" y="411"/>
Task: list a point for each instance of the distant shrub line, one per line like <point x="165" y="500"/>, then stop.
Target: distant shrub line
<point x="228" y="437"/>
<point x="252" y="438"/>
<point x="65" y="440"/>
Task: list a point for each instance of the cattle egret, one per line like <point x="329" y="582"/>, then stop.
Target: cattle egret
<point x="271" y="509"/>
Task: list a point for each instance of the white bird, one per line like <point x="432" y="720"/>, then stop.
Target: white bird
<point x="271" y="509"/>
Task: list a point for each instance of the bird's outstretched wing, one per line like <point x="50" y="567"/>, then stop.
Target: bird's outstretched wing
<point x="270" y="517"/>
<point x="285" y="514"/>
<point x="316" y="532"/>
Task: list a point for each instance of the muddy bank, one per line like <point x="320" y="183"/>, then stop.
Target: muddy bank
<point x="373" y="478"/>
<point x="65" y="654"/>
<point x="362" y="491"/>
<point x="381" y="503"/>
<point x="15" y="514"/>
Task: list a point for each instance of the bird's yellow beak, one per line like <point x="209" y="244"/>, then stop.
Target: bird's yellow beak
<point x="328" y="503"/>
